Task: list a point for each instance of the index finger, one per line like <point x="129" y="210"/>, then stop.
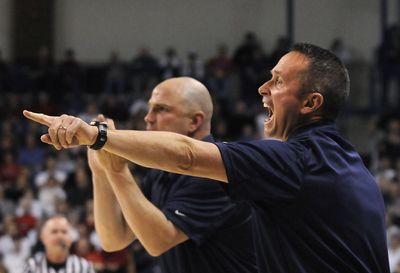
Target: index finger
<point x="39" y="118"/>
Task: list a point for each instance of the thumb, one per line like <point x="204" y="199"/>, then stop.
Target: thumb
<point x="111" y="124"/>
<point x="101" y="118"/>
<point x="46" y="139"/>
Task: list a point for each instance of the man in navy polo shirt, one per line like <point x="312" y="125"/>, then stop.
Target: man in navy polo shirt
<point x="189" y="221"/>
<point x="318" y="209"/>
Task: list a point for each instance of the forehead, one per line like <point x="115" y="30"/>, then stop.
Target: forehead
<point x="164" y="94"/>
<point x="291" y="63"/>
<point x="56" y="223"/>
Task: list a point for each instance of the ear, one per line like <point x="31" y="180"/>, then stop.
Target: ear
<point x="197" y="120"/>
<point x="312" y="103"/>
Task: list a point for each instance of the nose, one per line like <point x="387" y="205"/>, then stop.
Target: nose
<point x="149" y="118"/>
<point x="264" y="90"/>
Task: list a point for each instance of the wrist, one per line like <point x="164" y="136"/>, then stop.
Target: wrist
<point x="99" y="136"/>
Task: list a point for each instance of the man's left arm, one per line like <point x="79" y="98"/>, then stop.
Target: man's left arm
<point x="156" y="233"/>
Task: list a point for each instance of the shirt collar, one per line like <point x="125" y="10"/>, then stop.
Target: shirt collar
<point x="312" y="126"/>
<point x="208" y="138"/>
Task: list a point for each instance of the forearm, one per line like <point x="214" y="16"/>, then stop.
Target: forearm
<point x="161" y="150"/>
<point x="168" y="151"/>
<point x="110" y="224"/>
<point x="156" y="233"/>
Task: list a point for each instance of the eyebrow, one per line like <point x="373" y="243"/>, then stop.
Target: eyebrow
<point x="276" y="72"/>
<point x="157" y="104"/>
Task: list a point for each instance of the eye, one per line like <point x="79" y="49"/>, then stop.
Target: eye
<point x="160" y="108"/>
<point x="278" y="81"/>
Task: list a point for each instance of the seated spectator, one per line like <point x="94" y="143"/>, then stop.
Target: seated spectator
<point x="43" y="71"/>
<point x="115" y="108"/>
<point x="91" y="111"/>
<point x="9" y="170"/>
<point x="26" y="218"/>
<point x="390" y="144"/>
<point x="193" y="66"/>
<point x="70" y="72"/>
<point x="394" y="251"/>
<point x="144" y="71"/>
<point x="31" y="154"/>
<point x="220" y="81"/>
<point x="49" y="193"/>
<point x="15" y="259"/>
<point x="50" y="170"/>
<point x="81" y="191"/>
<point x="7" y="207"/>
<point x="83" y="248"/>
<point x="7" y="241"/>
<point x="115" y="75"/>
<point x="340" y="49"/>
<point x="389" y="64"/>
<point x="170" y="64"/>
<point x="244" y="61"/>
<point x="29" y="205"/>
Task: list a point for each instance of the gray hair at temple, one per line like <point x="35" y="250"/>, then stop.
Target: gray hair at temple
<point x="327" y="75"/>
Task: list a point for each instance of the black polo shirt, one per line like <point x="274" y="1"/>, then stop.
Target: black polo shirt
<point x="219" y="231"/>
<point x="318" y="209"/>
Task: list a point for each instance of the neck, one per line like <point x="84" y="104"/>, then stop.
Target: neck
<point x="199" y="135"/>
<point x="56" y="256"/>
<point x="302" y="124"/>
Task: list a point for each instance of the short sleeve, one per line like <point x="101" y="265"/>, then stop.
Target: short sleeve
<point x="263" y="170"/>
<point x="197" y="206"/>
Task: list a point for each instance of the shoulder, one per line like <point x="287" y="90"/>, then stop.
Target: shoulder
<point x="34" y="262"/>
<point x="80" y="264"/>
<point x="37" y="257"/>
<point x="262" y="147"/>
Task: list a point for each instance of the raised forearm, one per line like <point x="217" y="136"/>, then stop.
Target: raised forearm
<point x="110" y="225"/>
<point x="168" y="151"/>
<point x="162" y="150"/>
<point x="156" y="233"/>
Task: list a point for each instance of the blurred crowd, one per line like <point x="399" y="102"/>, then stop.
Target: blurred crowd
<point x="36" y="181"/>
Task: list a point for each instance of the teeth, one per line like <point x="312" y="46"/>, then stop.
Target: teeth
<point x="270" y="112"/>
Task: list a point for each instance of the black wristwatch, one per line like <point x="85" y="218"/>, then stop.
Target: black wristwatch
<point x="101" y="136"/>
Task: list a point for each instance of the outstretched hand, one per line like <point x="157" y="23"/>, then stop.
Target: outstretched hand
<point x="64" y="131"/>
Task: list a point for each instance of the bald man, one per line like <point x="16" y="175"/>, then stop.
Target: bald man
<point x="189" y="221"/>
<point x="56" y="238"/>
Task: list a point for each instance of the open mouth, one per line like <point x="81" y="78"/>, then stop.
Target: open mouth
<point x="269" y="111"/>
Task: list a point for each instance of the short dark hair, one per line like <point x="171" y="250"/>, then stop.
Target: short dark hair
<point x="327" y="75"/>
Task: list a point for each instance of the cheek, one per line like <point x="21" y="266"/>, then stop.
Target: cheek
<point x="163" y="121"/>
<point x="166" y="123"/>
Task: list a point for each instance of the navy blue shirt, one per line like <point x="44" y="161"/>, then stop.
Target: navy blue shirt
<point x="219" y="231"/>
<point x="318" y="209"/>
